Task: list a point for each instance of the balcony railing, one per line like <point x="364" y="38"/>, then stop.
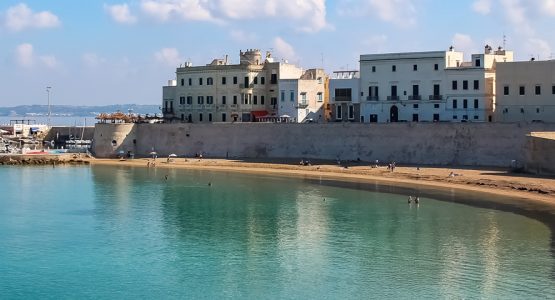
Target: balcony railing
<point x="373" y="98"/>
<point x="248" y="86"/>
<point x="393" y="98"/>
<point x="233" y="106"/>
<point x="167" y="110"/>
<point x="436" y="97"/>
<point x="342" y="98"/>
<point x="302" y="104"/>
<point x="415" y="97"/>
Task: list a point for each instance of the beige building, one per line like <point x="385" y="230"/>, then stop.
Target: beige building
<point x="224" y="92"/>
<point x="525" y="91"/>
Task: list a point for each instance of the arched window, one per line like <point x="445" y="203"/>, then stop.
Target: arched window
<point x="209" y="81"/>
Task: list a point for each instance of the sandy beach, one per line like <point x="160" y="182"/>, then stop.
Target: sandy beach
<point x="540" y="190"/>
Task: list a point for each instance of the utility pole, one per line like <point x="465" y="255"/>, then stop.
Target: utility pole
<point x="48" y="93"/>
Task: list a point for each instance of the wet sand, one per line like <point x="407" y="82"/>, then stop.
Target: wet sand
<point x="499" y="182"/>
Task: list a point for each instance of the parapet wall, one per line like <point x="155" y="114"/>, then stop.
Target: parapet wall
<point x="540" y="153"/>
<point x="472" y="144"/>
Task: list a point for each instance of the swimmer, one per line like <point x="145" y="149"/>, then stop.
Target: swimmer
<point x="166" y="177"/>
<point x="410" y="199"/>
<point x="210" y="184"/>
<point x="417" y="200"/>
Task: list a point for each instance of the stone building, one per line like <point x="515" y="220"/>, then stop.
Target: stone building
<point x="244" y="92"/>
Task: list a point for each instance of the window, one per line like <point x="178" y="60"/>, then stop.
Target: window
<point x="522" y="90"/>
<point x="224" y="100"/>
<point x="476" y="84"/>
<point x="234" y="79"/>
<point x="224" y="80"/>
<point x="415" y="117"/>
<point x="506" y="90"/>
<point x="209" y="100"/>
<point x="262" y="80"/>
<point x="235" y="99"/>
<point x="282" y="96"/>
<point x="343" y="94"/>
<point x="373" y="69"/>
<point x="292" y="95"/>
<point x="394" y="68"/>
<point x="182" y="100"/>
<point x="476" y="104"/>
<point x="224" y="117"/>
<point x="436" y="91"/>
<point x="246" y="81"/>
<point x="454" y="103"/>
<point x="339" y="113"/>
<point x="436" y="67"/>
<point x="209" y="117"/>
<point x="200" y="81"/>
<point x="538" y="90"/>
<point x="454" y="85"/>
<point x="273" y="101"/>
<point x="351" y="112"/>
<point x="436" y="105"/>
<point x="393" y="92"/>
<point x="475" y="117"/>
<point x="465" y="103"/>
<point x="303" y="97"/>
<point x="320" y="80"/>
<point x="190" y="81"/>
<point x="415" y="91"/>
<point x="455" y="117"/>
<point x="189" y="100"/>
<point x="537" y="110"/>
<point x="465" y="117"/>
<point x="415" y="67"/>
<point x="477" y="63"/>
<point x="200" y="117"/>
<point x="319" y="97"/>
<point x="553" y="89"/>
<point x="465" y="84"/>
<point x="273" y="79"/>
<point x="182" y="81"/>
<point x="209" y="81"/>
<point x="200" y="100"/>
<point x="261" y="100"/>
<point x="255" y="99"/>
<point x="415" y="106"/>
<point x="255" y="80"/>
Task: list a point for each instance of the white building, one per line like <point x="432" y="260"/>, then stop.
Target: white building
<point x="429" y="86"/>
<point x="525" y="91"/>
<point x="345" y="97"/>
<point x="303" y="99"/>
<point x="244" y="92"/>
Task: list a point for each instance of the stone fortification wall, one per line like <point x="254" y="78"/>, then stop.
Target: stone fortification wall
<point x="472" y="144"/>
<point x="540" y="153"/>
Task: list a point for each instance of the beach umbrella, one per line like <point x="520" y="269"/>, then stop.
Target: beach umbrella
<point x="153" y="153"/>
<point x="285" y="116"/>
<point x="173" y="155"/>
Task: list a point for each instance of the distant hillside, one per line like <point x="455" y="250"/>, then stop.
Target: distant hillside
<point x="76" y="111"/>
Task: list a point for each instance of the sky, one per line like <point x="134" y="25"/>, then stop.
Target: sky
<point x="120" y="52"/>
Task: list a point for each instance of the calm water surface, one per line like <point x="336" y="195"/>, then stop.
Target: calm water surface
<point x="106" y="232"/>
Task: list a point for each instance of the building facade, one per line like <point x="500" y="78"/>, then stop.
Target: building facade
<point x="436" y="86"/>
<point x="525" y="91"/>
<point x="244" y="92"/>
<point x="345" y="97"/>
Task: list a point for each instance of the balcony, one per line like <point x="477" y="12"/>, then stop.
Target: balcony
<point x="373" y="98"/>
<point x="248" y="86"/>
<point x="436" y="97"/>
<point x="167" y="110"/>
<point x="415" y="97"/>
<point x="342" y="98"/>
<point x="234" y="106"/>
<point x="302" y="104"/>
<point x="393" y="98"/>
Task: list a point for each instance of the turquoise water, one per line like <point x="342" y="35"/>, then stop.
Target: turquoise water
<point x="106" y="232"/>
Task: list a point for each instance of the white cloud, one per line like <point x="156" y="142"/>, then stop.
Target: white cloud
<point x="21" y="17"/>
<point x="482" y="6"/>
<point x="284" y="50"/>
<point x="168" y="56"/>
<point x="538" y="48"/>
<point x="548" y="7"/>
<point x="464" y="43"/>
<point x="402" y="13"/>
<point x="309" y="15"/>
<point x="25" y="57"/>
<point x="120" y="13"/>
<point x="375" y="43"/>
<point x="92" y="60"/>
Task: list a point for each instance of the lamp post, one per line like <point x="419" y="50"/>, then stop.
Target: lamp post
<point x="48" y="93"/>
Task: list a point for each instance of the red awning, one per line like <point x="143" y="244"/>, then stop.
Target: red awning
<point x="259" y="113"/>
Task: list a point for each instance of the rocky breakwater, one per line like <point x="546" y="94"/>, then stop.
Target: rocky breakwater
<point x="37" y="160"/>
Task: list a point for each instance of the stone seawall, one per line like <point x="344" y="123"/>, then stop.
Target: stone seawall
<point x="471" y="144"/>
<point x="540" y="153"/>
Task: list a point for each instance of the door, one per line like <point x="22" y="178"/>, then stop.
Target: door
<point x="394" y="114"/>
<point x="373" y="118"/>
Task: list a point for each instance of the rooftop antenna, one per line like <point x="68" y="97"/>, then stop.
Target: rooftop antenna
<point x="504" y="41"/>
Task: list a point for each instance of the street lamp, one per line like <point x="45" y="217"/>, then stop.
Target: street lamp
<point x="48" y="93"/>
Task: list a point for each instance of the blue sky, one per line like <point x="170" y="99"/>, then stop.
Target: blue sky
<point x="104" y="52"/>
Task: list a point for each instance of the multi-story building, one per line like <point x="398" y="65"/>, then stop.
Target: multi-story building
<point x="345" y="97"/>
<point x="304" y="99"/>
<point x="525" y="91"/>
<point x="244" y="92"/>
<point x="429" y="86"/>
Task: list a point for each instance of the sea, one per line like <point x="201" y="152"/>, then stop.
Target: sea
<point x="115" y="232"/>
